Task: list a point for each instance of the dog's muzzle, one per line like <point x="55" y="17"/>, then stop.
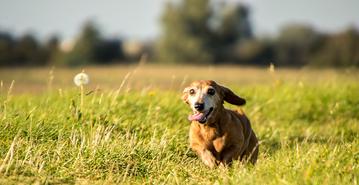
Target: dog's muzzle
<point x="201" y="117"/>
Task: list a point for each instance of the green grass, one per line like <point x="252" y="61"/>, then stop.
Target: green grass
<point x="309" y="134"/>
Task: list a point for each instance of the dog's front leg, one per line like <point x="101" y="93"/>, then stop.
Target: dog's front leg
<point x="208" y="158"/>
<point x="230" y="154"/>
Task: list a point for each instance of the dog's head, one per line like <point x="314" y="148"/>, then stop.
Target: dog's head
<point x="206" y="97"/>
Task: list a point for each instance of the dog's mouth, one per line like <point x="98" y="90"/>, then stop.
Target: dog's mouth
<point x="200" y="116"/>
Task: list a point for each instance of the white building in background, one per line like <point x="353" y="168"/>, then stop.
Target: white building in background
<point x="67" y="45"/>
<point x="133" y="48"/>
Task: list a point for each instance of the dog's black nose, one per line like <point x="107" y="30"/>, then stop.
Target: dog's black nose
<point x="199" y="106"/>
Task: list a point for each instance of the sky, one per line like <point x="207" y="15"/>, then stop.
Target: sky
<point x="139" y="19"/>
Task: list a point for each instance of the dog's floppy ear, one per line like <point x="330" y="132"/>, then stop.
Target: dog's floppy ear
<point x="185" y="95"/>
<point x="232" y="98"/>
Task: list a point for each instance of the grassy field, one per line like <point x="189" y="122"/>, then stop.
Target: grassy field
<point x="132" y="128"/>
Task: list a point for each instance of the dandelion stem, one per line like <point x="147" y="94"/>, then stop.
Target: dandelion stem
<point x="82" y="97"/>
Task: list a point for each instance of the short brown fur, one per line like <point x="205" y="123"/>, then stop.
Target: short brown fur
<point x="227" y="135"/>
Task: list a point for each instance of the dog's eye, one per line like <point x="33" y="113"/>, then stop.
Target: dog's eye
<point x="191" y="92"/>
<point x="211" y="91"/>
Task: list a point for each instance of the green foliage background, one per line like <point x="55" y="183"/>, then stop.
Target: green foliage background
<point x="193" y="32"/>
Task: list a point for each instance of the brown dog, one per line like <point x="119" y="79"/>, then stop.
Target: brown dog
<point x="218" y="135"/>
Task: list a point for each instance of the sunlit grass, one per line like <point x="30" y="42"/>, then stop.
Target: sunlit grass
<point x="309" y="131"/>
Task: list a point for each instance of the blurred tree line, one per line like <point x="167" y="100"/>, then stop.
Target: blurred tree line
<point x="199" y="31"/>
<point x="89" y="48"/>
<point x="193" y="32"/>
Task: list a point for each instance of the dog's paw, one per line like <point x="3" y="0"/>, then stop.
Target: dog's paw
<point x="222" y="165"/>
<point x="208" y="159"/>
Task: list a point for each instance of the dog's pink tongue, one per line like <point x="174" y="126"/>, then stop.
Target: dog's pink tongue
<point x="196" y="117"/>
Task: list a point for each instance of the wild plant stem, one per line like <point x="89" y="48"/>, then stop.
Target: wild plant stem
<point x="82" y="98"/>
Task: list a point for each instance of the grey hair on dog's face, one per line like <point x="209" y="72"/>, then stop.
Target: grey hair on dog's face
<point x="198" y="94"/>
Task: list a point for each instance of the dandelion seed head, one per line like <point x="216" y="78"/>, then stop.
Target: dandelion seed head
<point x="81" y="79"/>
